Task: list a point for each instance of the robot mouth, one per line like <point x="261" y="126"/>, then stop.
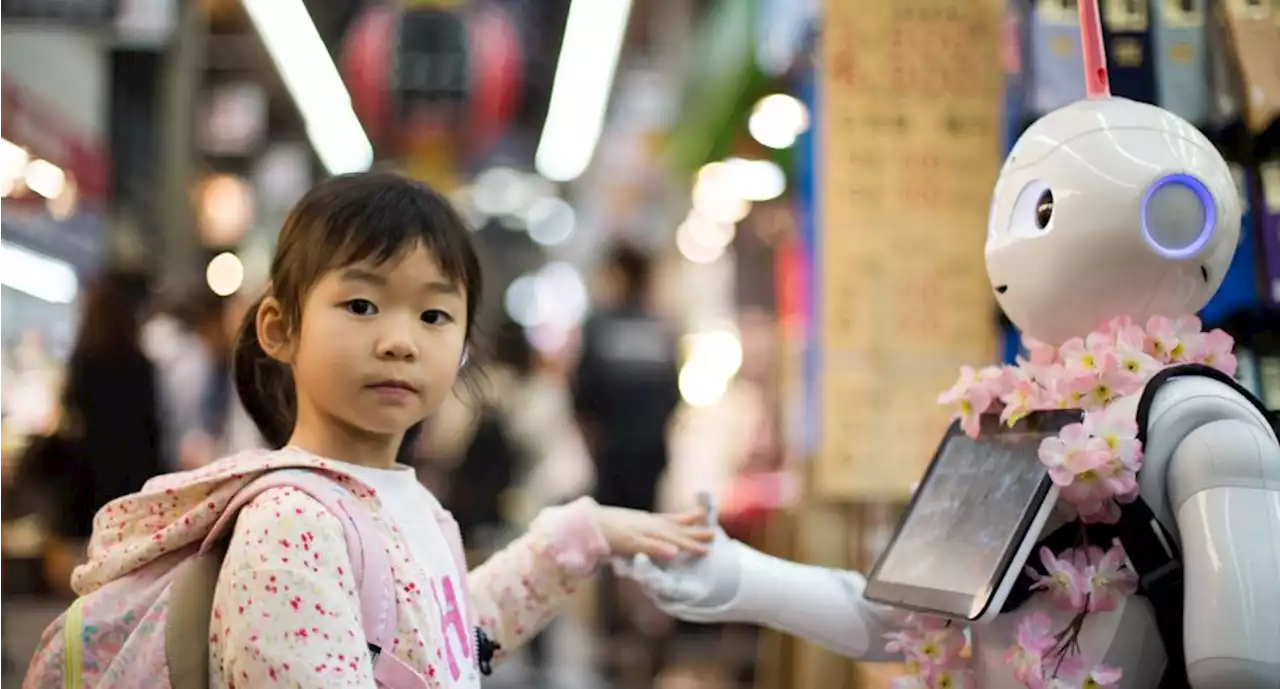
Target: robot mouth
<point x="1001" y="289"/>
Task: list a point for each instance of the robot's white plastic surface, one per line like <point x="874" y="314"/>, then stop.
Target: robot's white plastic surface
<point x="1109" y="207"/>
<point x="1104" y="208"/>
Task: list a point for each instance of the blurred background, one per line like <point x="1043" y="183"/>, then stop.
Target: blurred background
<point x="732" y="245"/>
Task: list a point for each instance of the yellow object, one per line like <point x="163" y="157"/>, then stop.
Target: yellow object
<point x="73" y="646"/>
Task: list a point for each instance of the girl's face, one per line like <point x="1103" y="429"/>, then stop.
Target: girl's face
<point x="379" y="346"/>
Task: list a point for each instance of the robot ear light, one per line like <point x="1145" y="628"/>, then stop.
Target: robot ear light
<point x="1179" y="216"/>
<point x="1097" y="83"/>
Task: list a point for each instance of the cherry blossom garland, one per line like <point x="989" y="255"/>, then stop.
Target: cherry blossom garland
<point x="1094" y="464"/>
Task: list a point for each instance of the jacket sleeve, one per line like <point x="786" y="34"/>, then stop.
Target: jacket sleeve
<point x="286" y="608"/>
<point x="520" y="588"/>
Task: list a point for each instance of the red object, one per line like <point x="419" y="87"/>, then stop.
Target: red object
<point x="497" y="73"/>
<point x="746" y="505"/>
<point x="791" y="287"/>
<point x="1097" y="84"/>
<point x="34" y="125"/>
<point x="366" y="68"/>
<point x="496" y="80"/>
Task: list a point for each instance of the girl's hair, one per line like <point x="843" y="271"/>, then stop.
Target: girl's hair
<point x="373" y="216"/>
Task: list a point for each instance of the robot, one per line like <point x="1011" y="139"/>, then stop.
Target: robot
<point x="1105" y="208"/>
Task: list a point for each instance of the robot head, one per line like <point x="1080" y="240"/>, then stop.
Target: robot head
<point x="1107" y="208"/>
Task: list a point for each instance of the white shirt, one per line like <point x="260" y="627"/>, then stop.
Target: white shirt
<point x="413" y="508"/>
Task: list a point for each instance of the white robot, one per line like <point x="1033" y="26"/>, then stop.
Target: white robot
<point x="1104" y="208"/>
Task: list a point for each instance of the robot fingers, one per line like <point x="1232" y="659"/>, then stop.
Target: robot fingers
<point x="707" y="502"/>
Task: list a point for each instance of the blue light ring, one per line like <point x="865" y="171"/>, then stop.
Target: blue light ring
<point x="1207" y="202"/>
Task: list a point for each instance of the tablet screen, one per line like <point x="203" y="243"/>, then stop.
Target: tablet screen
<point x="968" y="518"/>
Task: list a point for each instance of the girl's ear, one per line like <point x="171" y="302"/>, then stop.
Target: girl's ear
<point x="273" y="332"/>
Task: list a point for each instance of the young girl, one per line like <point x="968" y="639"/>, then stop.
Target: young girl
<point x="362" y="335"/>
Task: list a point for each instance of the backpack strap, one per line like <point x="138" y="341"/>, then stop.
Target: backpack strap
<point x="191" y="600"/>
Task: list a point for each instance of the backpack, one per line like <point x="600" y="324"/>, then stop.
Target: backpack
<point x="151" y="628"/>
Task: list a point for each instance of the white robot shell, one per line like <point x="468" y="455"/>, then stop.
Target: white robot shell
<point x="1109" y="207"/>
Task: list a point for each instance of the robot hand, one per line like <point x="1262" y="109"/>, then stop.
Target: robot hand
<point x="694" y="589"/>
<point x="733" y="582"/>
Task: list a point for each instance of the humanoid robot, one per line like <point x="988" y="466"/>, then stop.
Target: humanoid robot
<point x="1104" y="208"/>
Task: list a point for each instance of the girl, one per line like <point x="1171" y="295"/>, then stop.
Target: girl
<point x="362" y="334"/>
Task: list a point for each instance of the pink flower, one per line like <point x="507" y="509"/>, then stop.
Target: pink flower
<point x="1072" y="453"/>
<point x="940" y="647"/>
<point x="971" y="396"/>
<point x="1041" y="354"/>
<point x="1131" y="355"/>
<point x="902" y="641"/>
<point x="1034" y="639"/>
<point x="1075" y="674"/>
<point x="1216" y="352"/>
<point x="1086" y="354"/>
<point x="1066" y="389"/>
<point x="1067" y="581"/>
<point x="1117" y="325"/>
<point x="1109" y="579"/>
<point x="1117" y="429"/>
<point x="1106" y="383"/>
<point x="1098" y="512"/>
<point x="950" y="678"/>
<point x="1023" y="397"/>
<point x="1174" y="340"/>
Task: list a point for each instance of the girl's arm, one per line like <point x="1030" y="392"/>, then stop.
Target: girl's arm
<point x="520" y="588"/>
<point x="286" y="609"/>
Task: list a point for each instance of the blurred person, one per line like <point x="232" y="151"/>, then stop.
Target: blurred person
<point x="192" y="349"/>
<point x="110" y="425"/>
<point x="625" y="391"/>
<point x="362" y="335"/>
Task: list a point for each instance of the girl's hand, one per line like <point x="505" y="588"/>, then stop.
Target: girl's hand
<point x="660" y="536"/>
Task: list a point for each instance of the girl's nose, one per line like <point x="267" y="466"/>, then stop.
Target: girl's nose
<point x="397" y="345"/>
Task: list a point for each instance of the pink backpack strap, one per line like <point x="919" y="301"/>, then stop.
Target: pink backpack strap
<point x="367" y="551"/>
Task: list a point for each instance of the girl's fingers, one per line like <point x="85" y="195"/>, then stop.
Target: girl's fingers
<point x="656" y="548"/>
<point x="695" y="516"/>
<point x="692" y="540"/>
<point x="703" y="534"/>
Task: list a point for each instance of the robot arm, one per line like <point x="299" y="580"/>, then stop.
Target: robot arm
<point x="1223" y="482"/>
<point x="736" y="583"/>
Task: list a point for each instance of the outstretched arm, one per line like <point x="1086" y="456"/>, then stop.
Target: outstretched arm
<point x="520" y="588"/>
<point x="736" y="583"/>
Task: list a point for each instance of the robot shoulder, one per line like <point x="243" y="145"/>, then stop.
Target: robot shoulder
<point x="1201" y="430"/>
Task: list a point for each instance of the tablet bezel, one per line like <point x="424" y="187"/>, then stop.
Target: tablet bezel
<point x="988" y="603"/>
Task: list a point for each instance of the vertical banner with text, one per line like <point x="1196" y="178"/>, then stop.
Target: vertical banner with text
<point x="911" y="131"/>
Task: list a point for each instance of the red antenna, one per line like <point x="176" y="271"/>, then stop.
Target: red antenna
<point x="1097" y="85"/>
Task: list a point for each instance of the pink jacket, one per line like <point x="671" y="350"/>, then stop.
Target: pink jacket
<point x="292" y="617"/>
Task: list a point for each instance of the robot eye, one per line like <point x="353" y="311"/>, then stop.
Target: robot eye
<point x="1032" y="211"/>
<point x="1178" y="216"/>
<point x="1044" y="209"/>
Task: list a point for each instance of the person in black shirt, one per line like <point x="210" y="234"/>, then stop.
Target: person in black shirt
<point x="624" y="392"/>
<point x="110" y="435"/>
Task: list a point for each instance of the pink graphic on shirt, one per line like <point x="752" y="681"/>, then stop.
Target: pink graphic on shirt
<point x="452" y="620"/>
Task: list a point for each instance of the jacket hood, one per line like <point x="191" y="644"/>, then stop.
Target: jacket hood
<point x="177" y="510"/>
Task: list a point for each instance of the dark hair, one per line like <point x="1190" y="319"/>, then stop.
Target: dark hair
<point x="635" y="268"/>
<point x="111" y="315"/>
<point x="372" y="216"/>
<point x="511" y="348"/>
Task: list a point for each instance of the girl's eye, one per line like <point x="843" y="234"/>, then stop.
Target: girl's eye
<point x="360" y="307"/>
<point x="435" y="317"/>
